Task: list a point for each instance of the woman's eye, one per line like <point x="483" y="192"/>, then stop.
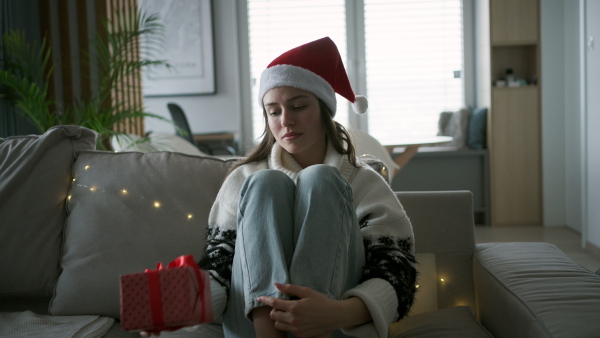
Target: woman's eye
<point x="273" y="113"/>
<point x="299" y="107"/>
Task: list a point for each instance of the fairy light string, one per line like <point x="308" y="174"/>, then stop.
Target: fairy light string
<point x="124" y="192"/>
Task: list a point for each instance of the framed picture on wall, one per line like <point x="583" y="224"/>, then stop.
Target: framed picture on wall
<point x="188" y="34"/>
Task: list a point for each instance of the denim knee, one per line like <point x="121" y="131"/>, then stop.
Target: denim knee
<point x="321" y="175"/>
<point x="266" y="181"/>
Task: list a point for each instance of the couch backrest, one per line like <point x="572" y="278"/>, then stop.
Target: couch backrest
<point x="127" y="212"/>
<point x="444" y="241"/>
<point x="35" y="175"/>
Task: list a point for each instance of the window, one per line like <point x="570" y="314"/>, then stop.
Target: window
<point x="412" y="59"/>
<point x="276" y="26"/>
<point x="412" y="50"/>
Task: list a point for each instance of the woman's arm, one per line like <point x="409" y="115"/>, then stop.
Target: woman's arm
<point x="353" y="312"/>
<point x="220" y="242"/>
<point x="388" y="282"/>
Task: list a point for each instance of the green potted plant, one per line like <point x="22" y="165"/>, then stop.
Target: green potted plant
<point x="25" y="73"/>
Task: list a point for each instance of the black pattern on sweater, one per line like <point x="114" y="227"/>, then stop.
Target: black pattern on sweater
<point x="387" y="258"/>
<point x="391" y="259"/>
<point x="218" y="258"/>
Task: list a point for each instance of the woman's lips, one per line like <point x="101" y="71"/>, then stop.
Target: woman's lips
<point x="291" y="136"/>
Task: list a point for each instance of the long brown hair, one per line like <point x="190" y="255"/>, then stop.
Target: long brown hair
<point x="334" y="133"/>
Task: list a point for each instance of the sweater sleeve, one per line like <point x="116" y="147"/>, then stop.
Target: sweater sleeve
<point x="220" y="241"/>
<point x="218" y="301"/>
<point x="389" y="248"/>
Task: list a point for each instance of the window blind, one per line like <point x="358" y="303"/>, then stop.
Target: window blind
<point x="413" y="48"/>
<point x="276" y="26"/>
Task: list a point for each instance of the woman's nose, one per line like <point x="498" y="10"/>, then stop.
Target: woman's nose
<point x="286" y="118"/>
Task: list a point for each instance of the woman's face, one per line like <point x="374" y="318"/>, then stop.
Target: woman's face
<point x="294" y="119"/>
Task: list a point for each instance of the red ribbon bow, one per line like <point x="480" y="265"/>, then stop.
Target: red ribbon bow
<point x="155" y="294"/>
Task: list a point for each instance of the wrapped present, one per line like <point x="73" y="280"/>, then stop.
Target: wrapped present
<point x="166" y="299"/>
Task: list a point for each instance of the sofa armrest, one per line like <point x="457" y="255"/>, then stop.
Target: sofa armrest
<point x="444" y="243"/>
<point x="534" y="290"/>
<point x="442" y="220"/>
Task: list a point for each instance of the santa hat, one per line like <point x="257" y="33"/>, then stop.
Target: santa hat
<point x="315" y="67"/>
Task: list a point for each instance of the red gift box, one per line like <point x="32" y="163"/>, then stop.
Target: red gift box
<point x="166" y="298"/>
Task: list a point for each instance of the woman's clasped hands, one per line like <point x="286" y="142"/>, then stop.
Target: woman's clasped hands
<point x="313" y="314"/>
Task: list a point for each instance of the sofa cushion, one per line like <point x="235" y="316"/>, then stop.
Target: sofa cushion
<point x="128" y="212"/>
<point x="476" y="135"/>
<point x="536" y="288"/>
<point x="451" y="322"/>
<point x="35" y="175"/>
<point x="444" y="243"/>
<point x="455" y="124"/>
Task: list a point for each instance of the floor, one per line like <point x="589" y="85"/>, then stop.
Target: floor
<point x="564" y="238"/>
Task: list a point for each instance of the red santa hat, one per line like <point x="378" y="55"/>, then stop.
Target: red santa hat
<point x="315" y="67"/>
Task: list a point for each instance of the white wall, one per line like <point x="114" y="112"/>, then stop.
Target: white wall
<point x="571" y="164"/>
<point x="592" y="108"/>
<point x="219" y="111"/>
<point x="572" y="98"/>
<point x="483" y="90"/>
<point x="553" y="111"/>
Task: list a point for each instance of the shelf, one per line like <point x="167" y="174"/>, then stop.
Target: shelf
<point x="514" y="43"/>
<point x="514" y="119"/>
<point x="515" y="88"/>
<point x="522" y="59"/>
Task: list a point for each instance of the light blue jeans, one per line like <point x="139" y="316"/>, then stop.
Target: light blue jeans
<point x="305" y="234"/>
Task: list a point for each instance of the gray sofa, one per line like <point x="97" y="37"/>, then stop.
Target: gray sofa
<point x="73" y="219"/>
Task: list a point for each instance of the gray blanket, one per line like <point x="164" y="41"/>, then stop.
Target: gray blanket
<point x="29" y="324"/>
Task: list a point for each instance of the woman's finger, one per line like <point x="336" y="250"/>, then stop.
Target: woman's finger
<point x="282" y="326"/>
<point x="280" y="315"/>
<point x="276" y="303"/>
<point x="295" y="290"/>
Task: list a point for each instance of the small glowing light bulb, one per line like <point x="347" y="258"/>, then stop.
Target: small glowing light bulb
<point x="86" y="167"/>
<point x="190" y="216"/>
<point x="124" y="191"/>
<point x="93" y="189"/>
<point x="69" y="198"/>
<point x="73" y="179"/>
<point x="157" y="204"/>
<point x="417" y="286"/>
<point x="441" y="280"/>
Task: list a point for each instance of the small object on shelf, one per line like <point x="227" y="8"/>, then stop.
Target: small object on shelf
<point x="533" y="80"/>
<point x="500" y="83"/>
<point x="514" y="83"/>
<point x="510" y="76"/>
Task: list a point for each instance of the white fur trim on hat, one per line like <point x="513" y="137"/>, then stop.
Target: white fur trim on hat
<point x="297" y="77"/>
<point x="360" y="104"/>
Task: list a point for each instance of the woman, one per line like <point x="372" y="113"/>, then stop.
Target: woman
<point x="303" y="238"/>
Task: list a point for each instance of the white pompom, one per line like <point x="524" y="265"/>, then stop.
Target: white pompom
<point x="360" y="104"/>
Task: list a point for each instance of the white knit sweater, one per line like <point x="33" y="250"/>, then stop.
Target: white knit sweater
<point x="388" y="282"/>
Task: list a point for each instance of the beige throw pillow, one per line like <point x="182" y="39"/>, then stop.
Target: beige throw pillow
<point x="128" y="212"/>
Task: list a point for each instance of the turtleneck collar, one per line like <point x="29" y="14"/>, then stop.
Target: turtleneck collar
<point x="281" y="160"/>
